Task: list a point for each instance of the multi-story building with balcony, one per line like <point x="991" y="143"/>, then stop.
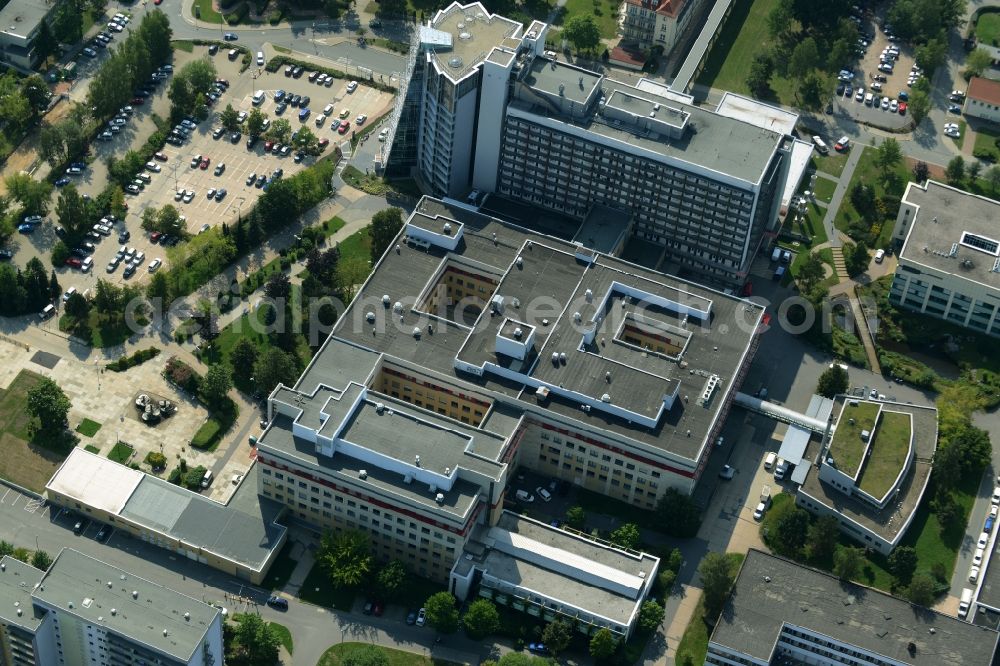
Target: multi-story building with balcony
<point x="780" y="612"/>
<point x="499" y="115"/>
<point x="649" y="23"/>
<point x="86" y="612"/>
<point x="476" y="347"/>
<point x="20" y="24"/>
<point x="949" y="256"/>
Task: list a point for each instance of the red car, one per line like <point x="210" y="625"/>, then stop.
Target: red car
<point x="268" y="145"/>
<point x="204" y="164"/>
<point x="344" y="126"/>
<point x="155" y="236"/>
<point x="138" y="101"/>
<point x="160" y="156"/>
<point x="324" y="142"/>
<point x="902" y="108"/>
<point x="73" y="262"/>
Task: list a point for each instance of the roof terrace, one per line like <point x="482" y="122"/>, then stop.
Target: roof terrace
<point x="853" y="435"/>
<point x="888" y="449"/>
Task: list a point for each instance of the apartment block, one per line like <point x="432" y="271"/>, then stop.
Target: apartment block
<point x="949" y="256"/>
<point x="780" y="612"/>
<point x="477" y="346"/>
<point x="650" y="23"/>
<point x="86" y="612"/>
<point x="20" y="24"/>
<point x="500" y="116"/>
<point x="982" y="99"/>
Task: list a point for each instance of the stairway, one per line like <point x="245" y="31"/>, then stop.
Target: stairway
<point x="838" y="262"/>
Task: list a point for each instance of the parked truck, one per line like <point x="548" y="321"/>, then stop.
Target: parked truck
<point x="765" y="496"/>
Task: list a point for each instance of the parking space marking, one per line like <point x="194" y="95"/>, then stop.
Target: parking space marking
<point x="16" y="497"/>
<point x="4" y="498"/>
<point x="33" y="505"/>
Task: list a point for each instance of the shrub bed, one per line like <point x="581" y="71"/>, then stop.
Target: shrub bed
<point x="138" y="358"/>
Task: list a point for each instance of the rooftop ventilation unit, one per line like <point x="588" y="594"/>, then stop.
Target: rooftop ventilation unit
<point x="416" y="460"/>
<point x="589" y="295"/>
<point x="439" y="498"/>
<point x="362" y="474"/>
<point x="706" y="393"/>
<point x="465" y="36"/>
<point x="379" y="407"/>
<point x="187" y="616"/>
<point x="518" y="333"/>
<point x="606" y="397"/>
<point x="397" y="307"/>
<point x="416" y="331"/>
<point x="455" y="62"/>
<point x="562" y="89"/>
<point x="135" y="594"/>
<point x="386" y="300"/>
<point x="447" y="228"/>
<point x="577" y="316"/>
<point x="370" y="317"/>
<point x="519" y="262"/>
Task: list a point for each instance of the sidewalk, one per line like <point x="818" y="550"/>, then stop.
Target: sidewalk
<point x="838" y="197"/>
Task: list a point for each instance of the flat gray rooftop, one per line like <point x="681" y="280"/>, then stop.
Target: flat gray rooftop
<point x="889" y="521"/>
<point x="603" y="229"/>
<point x="771" y="592"/>
<point x="712" y="141"/>
<point x="17" y="581"/>
<point x="474" y="34"/>
<point x="550" y="269"/>
<point x="457" y="502"/>
<point x="547" y="75"/>
<point x="243" y="531"/>
<point x="944" y="216"/>
<point x="79" y="584"/>
<point x="21" y="17"/>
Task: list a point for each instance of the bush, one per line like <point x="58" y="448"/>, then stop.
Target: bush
<point x="156" y="460"/>
<point x="274" y="18"/>
<point x="193" y="477"/>
<point x="985" y="155"/>
<point x="138" y="358"/>
<point x="207" y="434"/>
<point x="181" y="374"/>
<point x="238" y="15"/>
<point x="175" y="476"/>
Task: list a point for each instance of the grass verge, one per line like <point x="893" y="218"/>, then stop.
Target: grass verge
<point x="88" y="428"/>
<point x="693" y="645"/>
<point x="317" y="589"/>
<point x="849" y="219"/>
<point x="121" y="452"/>
<point x="203" y="10"/>
<point x="335" y="654"/>
<point x="284" y="635"/>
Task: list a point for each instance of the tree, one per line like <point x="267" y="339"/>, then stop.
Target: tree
<point x="200" y="74"/>
<point x="54" y="289"/>
<point x="779" y="20"/>
<point x="181" y="97"/>
<point x="346" y="556"/>
<point x="863" y="199"/>
<point x="441" y="612"/>
<point x="365" y="655"/>
<point x="385" y="226"/>
<point x="156" y="35"/>
<point x="33" y="195"/>
<point x="67" y="23"/>
<point x="71" y="210"/>
<point x="856" y="258"/>
<point x="52" y="145"/>
<point x="576" y="517"/>
<point x="840" y="52"/>
<point x="229" y="119"/>
<point x="216" y="384"/>
<point x="810" y="272"/>
<point x="921" y="172"/>
<point x="834" y="381"/>
<point x="481" y="620"/>
<point x="790" y="532"/>
<point x="258" y="644"/>
<point x="78" y="307"/>
<point x="41" y="560"/>
<point x="650" y="616"/>
<point x="49" y="405"/>
<point x="678" y="515"/>
<point x="903" y="563"/>
<point x="921" y="590"/>
<point x="716" y="579"/>
<point x="255" y="123"/>
<point x="556" y="636"/>
<point x="887" y="156"/>
<point x="626" y="536"/>
<point x="280" y="131"/>
<point x="13" y="295"/>
<point x="581" y="31"/>
<point x="993" y="177"/>
<point x="274" y="366"/>
<point x="932" y="55"/>
<point x="973" y="170"/>
<point x="278" y="287"/>
<point x="812" y="90"/>
<point x="977" y="62"/>
<point x="955" y="171"/>
<point x="243" y="357"/>
<point x="759" y="78"/>
<point x="391" y="578"/>
<point x="919" y="106"/>
<point x="805" y="58"/>
<point x="822" y="538"/>
<point x="603" y="644"/>
<point x="847" y="562"/>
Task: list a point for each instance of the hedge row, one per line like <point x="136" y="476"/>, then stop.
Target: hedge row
<point x="138" y="358"/>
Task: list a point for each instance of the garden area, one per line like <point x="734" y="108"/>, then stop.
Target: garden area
<point x="987" y="143"/>
<point x="987" y="27"/>
<point x="868" y="212"/>
<point x="693" y="646"/>
<point x="30" y="454"/>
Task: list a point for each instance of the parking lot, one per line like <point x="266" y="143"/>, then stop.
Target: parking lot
<point x="177" y="173"/>
<point x="865" y="72"/>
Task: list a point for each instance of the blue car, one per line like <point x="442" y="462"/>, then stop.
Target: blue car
<point x="538" y="648"/>
<point x="62" y="182"/>
<point x="303" y="114"/>
<point x="988" y="527"/>
<point x="25" y="228"/>
<point x="279" y="95"/>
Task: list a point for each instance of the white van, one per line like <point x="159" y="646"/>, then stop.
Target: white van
<point x="780" y="468"/>
<point x="776" y="254"/>
<point x="328" y="109"/>
<point x="260" y="58"/>
<point x="879" y="256"/>
<point x="258" y="98"/>
<point x="769" y="460"/>
<point x="965" y="602"/>
<point x="821" y="146"/>
<point x="47" y="312"/>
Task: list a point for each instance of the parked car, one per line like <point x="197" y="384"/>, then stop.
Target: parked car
<point x="421" y="617"/>
<point x="537" y="648"/>
<point x="278" y="603"/>
<point x="544" y="494"/>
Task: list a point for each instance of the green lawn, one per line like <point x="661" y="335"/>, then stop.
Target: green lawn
<point x="208" y="14"/>
<point x="185" y="45"/>
<point x="889" y="448"/>
<point x="284" y="635"/>
<point x="988" y="27"/>
<point x="694" y="642"/>
<point x="121" y="452"/>
<point x="317" y="589"/>
<point x="92" y="449"/>
<point x="832" y="164"/>
<point x="867" y="172"/>
<point x="824" y="188"/>
<point x="847" y="447"/>
<point x="988" y="141"/>
<point x="604" y="12"/>
<point x="28" y="460"/>
<point x="809" y="225"/>
<point x="357" y="246"/>
<point x="88" y="428"/>
<point x="332" y="657"/>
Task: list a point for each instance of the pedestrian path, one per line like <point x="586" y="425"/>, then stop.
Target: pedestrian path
<point x="838" y="261"/>
<point x="838" y="197"/>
